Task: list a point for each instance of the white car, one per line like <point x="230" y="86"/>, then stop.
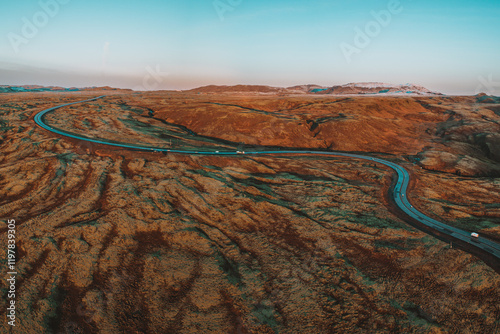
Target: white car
<point x="474" y="235"/>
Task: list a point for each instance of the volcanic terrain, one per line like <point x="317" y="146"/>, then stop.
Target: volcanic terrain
<point x="112" y="240"/>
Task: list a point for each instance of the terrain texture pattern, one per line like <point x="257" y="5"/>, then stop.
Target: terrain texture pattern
<point x="113" y="240"/>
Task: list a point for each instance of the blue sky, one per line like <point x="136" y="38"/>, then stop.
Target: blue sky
<point x="152" y="44"/>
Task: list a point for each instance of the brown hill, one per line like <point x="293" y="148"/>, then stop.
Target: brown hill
<point x="449" y="134"/>
<point x="348" y="89"/>
<point x="237" y="89"/>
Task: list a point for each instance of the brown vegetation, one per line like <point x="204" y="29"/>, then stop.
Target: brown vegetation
<point x="113" y="240"/>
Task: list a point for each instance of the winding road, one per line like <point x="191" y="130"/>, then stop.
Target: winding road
<point x="399" y="192"/>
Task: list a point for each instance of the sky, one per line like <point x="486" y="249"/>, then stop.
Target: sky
<point x="447" y="46"/>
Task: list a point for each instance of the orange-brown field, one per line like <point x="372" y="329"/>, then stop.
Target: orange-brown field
<point x="112" y="240"/>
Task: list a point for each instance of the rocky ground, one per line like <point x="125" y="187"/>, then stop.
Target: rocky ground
<point x="112" y="240"/>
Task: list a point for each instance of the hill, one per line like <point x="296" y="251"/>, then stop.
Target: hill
<point x="363" y="88"/>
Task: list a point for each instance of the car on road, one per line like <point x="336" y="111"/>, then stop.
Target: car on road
<point x="474" y="236"/>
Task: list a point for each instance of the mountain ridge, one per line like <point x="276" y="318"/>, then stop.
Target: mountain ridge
<point x="360" y="88"/>
<point x="39" y="88"/>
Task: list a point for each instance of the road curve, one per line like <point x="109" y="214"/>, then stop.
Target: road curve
<point x="399" y="193"/>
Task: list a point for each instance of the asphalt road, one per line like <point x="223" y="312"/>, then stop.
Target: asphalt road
<point x="399" y="192"/>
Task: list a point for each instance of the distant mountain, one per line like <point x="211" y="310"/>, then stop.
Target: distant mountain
<point x="362" y="88"/>
<point x="351" y="88"/>
<point x="483" y="98"/>
<point x="37" y="88"/>
<point x="375" y="88"/>
<point x="238" y="89"/>
<point x="103" y="88"/>
<point x="34" y="88"/>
